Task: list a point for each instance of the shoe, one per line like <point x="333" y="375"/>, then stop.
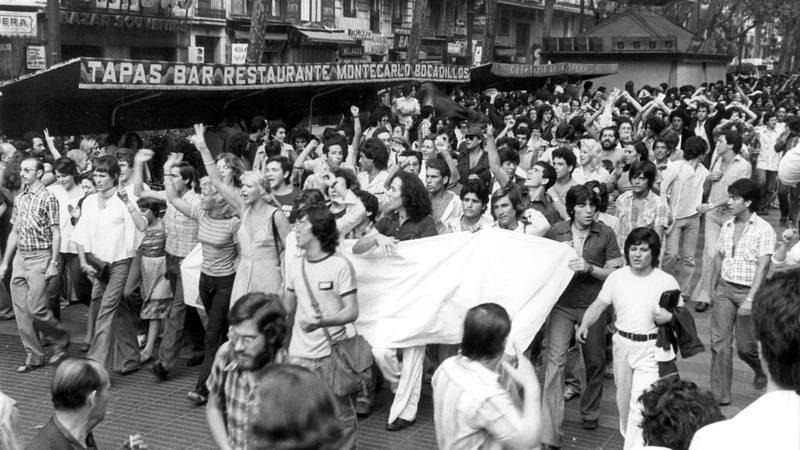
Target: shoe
<point x="159" y="371"/>
<point x="608" y="373"/>
<point x="126" y="372"/>
<point x="198" y="398"/>
<point x="760" y="381"/>
<point x="571" y="392"/>
<point x="84" y="348"/>
<point x="56" y="357"/>
<point x="195" y="360"/>
<point x="400" y="424"/>
<point x="145" y="358"/>
<point x="589" y="424"/>
<point x="362" y="409"/>
<point x="29" y="367"/>
<point x="701" y="307"/>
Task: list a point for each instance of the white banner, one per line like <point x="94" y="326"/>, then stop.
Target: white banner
<point x="14" y="23"/>
<point x="238" y="53"/>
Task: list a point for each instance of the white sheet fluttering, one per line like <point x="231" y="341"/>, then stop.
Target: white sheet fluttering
<point x="421" y="294"/>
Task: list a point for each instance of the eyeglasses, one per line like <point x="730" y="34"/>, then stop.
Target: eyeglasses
<point x="236" y="338"/>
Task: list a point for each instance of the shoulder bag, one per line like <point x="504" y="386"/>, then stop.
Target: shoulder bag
<point x="347" y="369"/>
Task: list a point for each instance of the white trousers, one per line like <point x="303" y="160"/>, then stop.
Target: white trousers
<point x="635" y="369"/>
<point x="404" y="378"/>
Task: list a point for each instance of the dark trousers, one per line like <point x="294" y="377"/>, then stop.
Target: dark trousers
<point x="215" y="293"/>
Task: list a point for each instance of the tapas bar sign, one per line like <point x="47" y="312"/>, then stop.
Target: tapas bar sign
<point x="104" y="73"/>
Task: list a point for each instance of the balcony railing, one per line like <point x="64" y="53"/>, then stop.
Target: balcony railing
<point x="212" y="9"/>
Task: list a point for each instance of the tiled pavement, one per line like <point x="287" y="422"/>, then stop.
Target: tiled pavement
<point x="160" y="412"/>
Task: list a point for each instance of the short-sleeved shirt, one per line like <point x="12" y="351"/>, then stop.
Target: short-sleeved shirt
<point x="237" y="390"/>
<point x="35" y="212"/>
<point x="330" y="278"/>
<point x="654" y="213"/>
<point x="410" y="229"/>
<point x="286" y="201"/>
<point x="599" y="248"/>
<point x="472" y="408"/>
<point x="219" y="240"/>
<point x="740" y="259"/>
<point x="181" y="229"/>
<point x="635" y="297"/>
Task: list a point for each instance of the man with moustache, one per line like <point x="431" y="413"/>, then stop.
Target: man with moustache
<point x="258" y="327"/>
<point x="609" y="146"/>
<point x="597" y="256"/>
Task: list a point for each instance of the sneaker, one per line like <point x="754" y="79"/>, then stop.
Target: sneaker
<point x="571" y="392"/>
<point x="142" y="340"/>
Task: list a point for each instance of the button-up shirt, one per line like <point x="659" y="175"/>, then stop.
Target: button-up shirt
<point x="768" y="159"/>
<point x="54" y="436"/>
<point x="472" y="408"/>
<point x="740" y="259"/>
<point x="654" y="213"/>
<point x="682" y="185"/>
<point x="391" y="226"/>
<point x="35" y="212"/>
<point x="181" y="229"/>
<point x="236" y="389"/>
<point x="738" y="168"/>
<point x="107" y="232"/>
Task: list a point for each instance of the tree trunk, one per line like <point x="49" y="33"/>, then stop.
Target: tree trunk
<point x="258" y="32"/>
<point x="415" y="37"/>
<point x="489" y="31"/>
<point x="580" y="17"/>
<point x="470" y="23"/>
<point x="548" y="17"/>
<point x="787" y="46"/>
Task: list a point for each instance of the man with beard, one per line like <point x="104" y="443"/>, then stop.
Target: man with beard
<point x="257" y="329"/>
<point x="609" y="146"/>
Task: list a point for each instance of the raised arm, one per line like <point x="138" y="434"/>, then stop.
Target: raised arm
<point x="494" y="158"/>
<point x="352" y="155"/>
<point x="142" y="157"/>
<point x="226" y="191"/>
<point x="300" y="162"/>
<point x="172" y="194"/>
<point x="138" y="219"/>
<point x="51" y="144"/>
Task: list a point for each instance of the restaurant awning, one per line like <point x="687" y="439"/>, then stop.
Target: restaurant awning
<point x="90" y="95"/>
<point x="245" y="35"/>
<point x="324" y="36"/>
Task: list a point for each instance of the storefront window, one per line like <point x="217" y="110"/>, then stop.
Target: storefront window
<point x="398" y="8"/>
<point x="375" y="16"/>
<point x="311" y="10"/>
<point x="349" y="8"/>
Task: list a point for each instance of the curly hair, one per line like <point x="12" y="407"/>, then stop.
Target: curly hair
<point x="307" y="418"/>
<point x="478" y="188"/>
<point x="673" y="410"/>
<point x="236" y="164"/>
<point x="323" y="226"/>
<point x="212" y="200"/>
<point x="416" y="199"/>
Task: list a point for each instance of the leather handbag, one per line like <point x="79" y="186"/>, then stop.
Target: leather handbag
<point x="348" y="368"/>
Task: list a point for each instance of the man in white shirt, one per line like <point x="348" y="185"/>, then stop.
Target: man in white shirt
<point x="768" y="159"/>
<point x="770" y="422"/>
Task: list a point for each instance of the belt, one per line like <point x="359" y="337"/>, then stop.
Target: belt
<point x="638" y="337"/>
<point x="737" y="285"/>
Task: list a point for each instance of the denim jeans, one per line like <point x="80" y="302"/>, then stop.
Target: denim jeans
<point x="29" y="293"/>
<point x="172" y="339"/>
<point x="215" y="293"/>
<point x="561" y="328"/>
<point x="346" y="411"/>
<point x="680" y="247"/>
<point x="714" y="221"/>
<point x="114" y="320"/>
<point x="729" y="321"/>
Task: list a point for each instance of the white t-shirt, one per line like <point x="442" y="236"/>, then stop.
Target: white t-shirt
<point x="636" y="297"/>
<point x="65" y="200"/>
<point x="770" y="422"/>
<point x="789" y="167"/>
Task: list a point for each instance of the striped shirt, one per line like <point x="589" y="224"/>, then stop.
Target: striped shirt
<point x="35" y="212"/>
<point x="219" y="240"/>
<point x="740" y="259"/>
<point x="471" y="407"/>
<point x="181" y="230"/>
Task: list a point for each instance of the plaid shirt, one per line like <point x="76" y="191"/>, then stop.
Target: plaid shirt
<point x="181" y="230"/>
<point x="654" y="213"/>
<point x="236" y="390"/>
<point x="35" y="212"/>
<point x="740" y="259"/>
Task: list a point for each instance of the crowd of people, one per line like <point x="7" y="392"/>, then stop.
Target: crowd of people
<point x="623" y="177"/>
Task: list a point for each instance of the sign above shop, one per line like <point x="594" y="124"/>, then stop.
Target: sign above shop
<point x="359" y="34"/>
<point x="14" y="24"/>
<point x="126" y="21"/>
<point x="351" y="51"/>
<point x="102" y="73"/>
<point x="35" y="57"/>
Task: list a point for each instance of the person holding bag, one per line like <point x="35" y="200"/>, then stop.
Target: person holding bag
<point x="321" y="294"/>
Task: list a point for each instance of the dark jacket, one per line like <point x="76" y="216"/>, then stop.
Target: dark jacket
<point x="680" y="334"/>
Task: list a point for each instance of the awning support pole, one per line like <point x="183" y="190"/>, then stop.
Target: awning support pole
<point x="311" y="102"/>
<point x="128" y="103"/>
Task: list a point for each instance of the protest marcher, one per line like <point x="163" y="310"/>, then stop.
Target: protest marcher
<point x="9" y="423"/>
<point x="771" y="420"/>
<point x="474" y="199"/>
<point x="446" y="206"/>
<point x="673" y="410"/>
<point x="640" y="206"/>
<point x="217" y="233"/>
<point x="34" y="245"/>
<point x="634" y="291"/>
<point x="321" y="294"/>
<point x="741" y="261"/>
<point x="181" y="238"/>
<point x="308" y="407"/>
<point x="80" y="395"/>
<point x="472" y="392"/>
<point x="278" y="171"/>
<point x="508" y="212"/>
<point x="597" y="256"/>
<point x="408" y="217"/>
<point x="258" y="327"/>
<point x="107" y="236"/>
<point x="727" y="166"/>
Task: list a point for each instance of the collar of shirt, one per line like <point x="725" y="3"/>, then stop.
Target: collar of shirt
<point x="63" y="430"/>
<point x="33" y="191"/>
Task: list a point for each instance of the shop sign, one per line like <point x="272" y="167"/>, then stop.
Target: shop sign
<point x="14" y="23"/>
<point x="378" y="45"/>
<point x="104" y="73"/>
<point x="125" y="21"/>
<point x="359" y="35"/>
<point x="400" y="41"/>
<point x="238" y="53"/>
<point x="351" y="51"/>
<point x="36" y="57"/>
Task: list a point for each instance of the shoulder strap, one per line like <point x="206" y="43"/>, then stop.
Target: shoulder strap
<point x="276" y="237"/>
<point x="313" y="299"/>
